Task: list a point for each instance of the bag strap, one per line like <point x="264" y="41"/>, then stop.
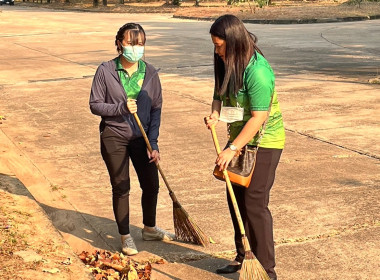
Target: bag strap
<point x="261" y="133"/>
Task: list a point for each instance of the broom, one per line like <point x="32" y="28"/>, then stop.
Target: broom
<point x="184" y="226"/>
<point x="251" y="268"/>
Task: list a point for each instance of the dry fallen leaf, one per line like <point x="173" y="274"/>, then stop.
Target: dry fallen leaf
<point x="52" y="271"/>
<point x="132" y="274"/>
<point x="67" y="261"/>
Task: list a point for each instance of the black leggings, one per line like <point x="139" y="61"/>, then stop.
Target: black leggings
<point x="253" y="206"/>
<point x="116" y="152"/>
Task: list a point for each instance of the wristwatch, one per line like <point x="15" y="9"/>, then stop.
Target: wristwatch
<point x="233" y="147"/>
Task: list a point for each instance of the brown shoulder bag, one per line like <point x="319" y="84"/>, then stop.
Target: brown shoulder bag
<point x="241" y="167"/>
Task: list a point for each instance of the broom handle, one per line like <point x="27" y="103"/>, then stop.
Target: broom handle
<point x="229" y="187"/>
<point x="171" y="193"/>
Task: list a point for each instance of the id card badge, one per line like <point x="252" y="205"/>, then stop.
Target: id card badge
<point x="231" y="114"/>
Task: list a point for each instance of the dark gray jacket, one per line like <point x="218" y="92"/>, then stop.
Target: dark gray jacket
<point x="108" y="100"/>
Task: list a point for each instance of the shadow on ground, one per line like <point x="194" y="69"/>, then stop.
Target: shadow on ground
<point x="80" y="227"/>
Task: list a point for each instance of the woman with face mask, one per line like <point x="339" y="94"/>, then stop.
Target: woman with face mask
<point x="121" y="87"/>
<point x="244" y="81"/>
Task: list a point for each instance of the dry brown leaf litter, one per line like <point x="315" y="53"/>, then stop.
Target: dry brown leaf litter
<point x="105" y="265"/>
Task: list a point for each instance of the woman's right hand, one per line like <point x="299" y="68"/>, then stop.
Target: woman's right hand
<point x="212" y="120"/>
<point x="131" y="105"/>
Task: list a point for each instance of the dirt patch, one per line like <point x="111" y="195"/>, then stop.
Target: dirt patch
<point x="279" y="10"/>
<point x="287" y="10"/>
<point x="30" y="247"/>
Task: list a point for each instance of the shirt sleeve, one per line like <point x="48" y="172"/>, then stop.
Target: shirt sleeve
<point x="98" y="105"/>
<point x="155" y="115"/>
<point x="259" y="81"/>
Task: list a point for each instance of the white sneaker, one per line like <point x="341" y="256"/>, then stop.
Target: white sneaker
<point x="128" y="246"/>
<point x="157" y="235"/>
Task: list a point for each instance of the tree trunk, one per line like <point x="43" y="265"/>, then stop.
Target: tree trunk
<point x="96" y="3"/>
<point x="105" y="3"/>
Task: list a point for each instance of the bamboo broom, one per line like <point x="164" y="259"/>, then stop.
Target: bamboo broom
<point x="184" y="226"/>
<point x="251" y="268"/>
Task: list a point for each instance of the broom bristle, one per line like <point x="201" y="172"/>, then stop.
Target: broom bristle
<point x="251" y="269"/>
<point x="185" y="228"/>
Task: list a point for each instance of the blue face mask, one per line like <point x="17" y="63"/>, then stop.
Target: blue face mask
<point x="133" y="53"/>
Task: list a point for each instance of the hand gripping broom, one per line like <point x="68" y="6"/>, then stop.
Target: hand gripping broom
<point x="251" y="268"/>
<point x="184" y="226"/>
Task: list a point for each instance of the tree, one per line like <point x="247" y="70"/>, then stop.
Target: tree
<point x="260" y="3"/>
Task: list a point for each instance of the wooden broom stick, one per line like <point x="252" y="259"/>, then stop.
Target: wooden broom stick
<point x="171" y="193"/>
<point x="251" y="268"/>
<point x="185" y="228"/>
<point x="229" y="187"/>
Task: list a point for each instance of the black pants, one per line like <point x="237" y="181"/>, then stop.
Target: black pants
<point x="116" y="152"/>
<point x="253" y="205"/>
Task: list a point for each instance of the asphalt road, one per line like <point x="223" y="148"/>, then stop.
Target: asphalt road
<point x="325" y="199"/>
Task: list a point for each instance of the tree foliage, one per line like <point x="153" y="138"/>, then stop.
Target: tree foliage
<point x="260" y="3"/>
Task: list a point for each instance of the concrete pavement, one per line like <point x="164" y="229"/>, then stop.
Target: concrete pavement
<point x="325" y="198"/>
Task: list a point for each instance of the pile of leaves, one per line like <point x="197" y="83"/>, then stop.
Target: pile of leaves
<point x="105" y="265"/>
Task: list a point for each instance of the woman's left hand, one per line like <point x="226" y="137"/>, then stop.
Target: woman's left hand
<point x="154" y="156"/>
<point x="224" y="158"/>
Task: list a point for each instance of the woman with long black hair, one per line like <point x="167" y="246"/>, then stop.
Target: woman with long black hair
<point x="244" y="79"/>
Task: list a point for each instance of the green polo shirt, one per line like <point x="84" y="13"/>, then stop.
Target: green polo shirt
<point x="132" y="84"/>
<point x="255" y="95"/>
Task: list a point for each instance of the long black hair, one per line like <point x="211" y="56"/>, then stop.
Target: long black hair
<point x="240" y="47"/>
<point x="134" y="29"/>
